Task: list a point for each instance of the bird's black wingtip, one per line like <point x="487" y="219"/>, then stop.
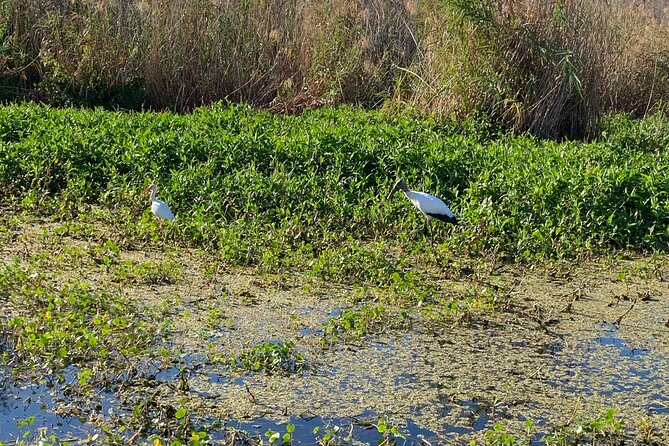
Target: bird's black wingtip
<point x="445" y="218"/>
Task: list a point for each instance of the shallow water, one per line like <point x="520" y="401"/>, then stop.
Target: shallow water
<point x="631" y="372"/>
<point x="21" y="402"/>
<point x="359" y="429"/>
<point x="610" y="367"/>
<point x="448" y="383"/>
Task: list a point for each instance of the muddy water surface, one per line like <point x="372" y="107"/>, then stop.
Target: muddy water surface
<point x="561" y="348"/>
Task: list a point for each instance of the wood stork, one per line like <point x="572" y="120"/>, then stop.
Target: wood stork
<point x="159" y="208"/>
<point x="429" y="205"/>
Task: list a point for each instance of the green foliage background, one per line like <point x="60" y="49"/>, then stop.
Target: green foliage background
<point x="257" y="185"/>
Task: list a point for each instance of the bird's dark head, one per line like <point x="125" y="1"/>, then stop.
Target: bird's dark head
<point x="399" y="185"/>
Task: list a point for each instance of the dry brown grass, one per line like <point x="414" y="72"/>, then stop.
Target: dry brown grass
<point x="284" y="54"/>
<point x="548" y="67"/>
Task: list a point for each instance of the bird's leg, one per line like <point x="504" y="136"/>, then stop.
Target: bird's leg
<point x="429" y="231"/>
<point x="172" y="231"/>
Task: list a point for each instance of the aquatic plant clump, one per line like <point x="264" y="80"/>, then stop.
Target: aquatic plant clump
<point x="270" y="357"/>
<point x="56" y="325"/>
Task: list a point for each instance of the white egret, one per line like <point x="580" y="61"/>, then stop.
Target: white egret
<point x="429" y="205"/>
<point x="159" y="208"/>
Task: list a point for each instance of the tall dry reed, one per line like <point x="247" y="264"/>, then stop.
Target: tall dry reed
<point x="551" y="68"/>
<point x="284" y="54"/>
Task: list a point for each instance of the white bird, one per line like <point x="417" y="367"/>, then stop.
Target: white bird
<point x="159" y="208"/>
<point x="429" y="205"/>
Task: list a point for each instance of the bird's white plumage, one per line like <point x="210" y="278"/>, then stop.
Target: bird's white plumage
<point x="428" y="204"/>
<point x="159" y="208"/>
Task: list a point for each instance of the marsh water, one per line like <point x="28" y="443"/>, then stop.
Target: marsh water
<point x="608" y="368"/>
<point x="584" y="349"/>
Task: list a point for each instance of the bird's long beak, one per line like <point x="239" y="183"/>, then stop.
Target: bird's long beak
<point x="392" y="192"/>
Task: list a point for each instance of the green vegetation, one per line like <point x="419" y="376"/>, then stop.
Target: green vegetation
<point x="307" y="192"/>
<point x="148" y="273"/>
<point x="355" y="323"/>
<point x="289" y="195"/>
<point x="270" y="357"/>
<point x="286" y="438"/>
<point x="55" y="325"/>
<point x="458" y="98"/>
<point x="604" y="429"/>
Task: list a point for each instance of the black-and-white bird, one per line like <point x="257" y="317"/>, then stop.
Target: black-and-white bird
<point x="429" y="205"/>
